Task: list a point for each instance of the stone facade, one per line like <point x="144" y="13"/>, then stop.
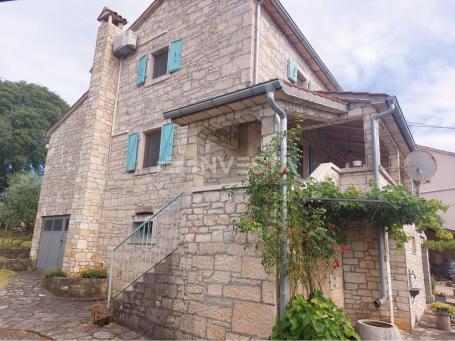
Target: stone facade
<point x="210" y="286"/>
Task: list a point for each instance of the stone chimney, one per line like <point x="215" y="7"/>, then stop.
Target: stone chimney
<point x="87" y="204"/>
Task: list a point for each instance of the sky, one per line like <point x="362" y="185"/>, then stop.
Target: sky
<point x="402" y="47"/>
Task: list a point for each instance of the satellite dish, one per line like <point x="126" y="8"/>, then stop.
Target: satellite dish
<point x="420" y="166"/>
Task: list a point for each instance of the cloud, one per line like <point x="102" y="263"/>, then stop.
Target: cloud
<point x="51" y="42"/>
<point x="404" y="48"/>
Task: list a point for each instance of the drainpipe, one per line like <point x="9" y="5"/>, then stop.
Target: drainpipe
<point x="256" y="46"/>
<point x="375" y="152"/>
<point x="283" y="161"/>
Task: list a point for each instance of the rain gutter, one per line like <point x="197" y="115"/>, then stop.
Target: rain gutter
<point x="284" y="191"/>
<point x="258" y="89"/>
<point x="391" y="102"/>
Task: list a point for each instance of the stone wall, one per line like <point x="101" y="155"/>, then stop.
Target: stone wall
<point x="86" y="288"/>
<point x="215" y="60"/>
<point x="415" y="266"/>
<point x="274" y="51"/>
<point x="361" y="277"/>
<point x="211" y="287"/>
<point x="59" y="180"/>
<point x="361" y="274"/>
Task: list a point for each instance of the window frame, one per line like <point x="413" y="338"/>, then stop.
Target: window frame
<point x="145" y="149"/>
<point x="151" y="240"/>
<point x="154" y="55"/>
<point x="302" y="76"/>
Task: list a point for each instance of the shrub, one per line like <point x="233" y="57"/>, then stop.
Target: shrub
<point x="54" y="273"/>
<point x="317" y="318"/>
<point x="439" y="307"/>
<point x="93" y="273"/>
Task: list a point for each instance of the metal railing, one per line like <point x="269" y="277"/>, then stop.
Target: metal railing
<point x="144" y="247"/>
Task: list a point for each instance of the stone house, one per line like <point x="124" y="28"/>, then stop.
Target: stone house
<point x="441" y="187"/>
<point x="164" y="131"/>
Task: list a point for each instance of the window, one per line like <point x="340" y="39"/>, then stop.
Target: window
<point x="160" y="63"/>
<point x="56" y="223"/>
<point x="144" y="234"/>
<point x="301" y="80"/>
<point x="152" y="148"/>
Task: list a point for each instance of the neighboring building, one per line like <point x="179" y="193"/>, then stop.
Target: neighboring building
<point x="442" y="187"/>
<point x="183" y="114"/>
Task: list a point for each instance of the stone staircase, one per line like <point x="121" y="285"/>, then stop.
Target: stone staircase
<point x="151" y="304"/>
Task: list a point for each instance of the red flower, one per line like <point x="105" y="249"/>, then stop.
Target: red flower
<point x="336" y="263"/>
<point x="342" y="248"/>
<point x="269" y="165"/>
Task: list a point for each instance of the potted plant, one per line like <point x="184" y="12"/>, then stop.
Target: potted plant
<point x="444" y="312"/>
<point x="440" y="297"/>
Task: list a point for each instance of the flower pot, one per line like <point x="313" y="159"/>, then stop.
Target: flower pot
<point x="443" y="321"/>
<point x="441" y="299"/>
<point x="377" y="330"/>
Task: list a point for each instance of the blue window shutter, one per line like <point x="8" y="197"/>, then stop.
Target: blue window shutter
<point x="174" y="62"/>
<point x="167" y="141"/>
<point x="292" y="71"/>
<point x="141" y="70"/>
<point x="131" y="155"/>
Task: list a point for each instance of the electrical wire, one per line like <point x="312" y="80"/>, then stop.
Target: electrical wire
<point x="424" y="125"/>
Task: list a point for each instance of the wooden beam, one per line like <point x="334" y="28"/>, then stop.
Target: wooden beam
<point x="333" y="123"/>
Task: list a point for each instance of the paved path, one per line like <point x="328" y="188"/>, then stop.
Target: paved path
<point x="426" y="330"/>
<point x="25" y="305"/>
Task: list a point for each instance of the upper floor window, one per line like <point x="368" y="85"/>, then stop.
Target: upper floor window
<point x="160" y="60"/>
<point x="301" y="80"/>
<point x="152" y="148"/>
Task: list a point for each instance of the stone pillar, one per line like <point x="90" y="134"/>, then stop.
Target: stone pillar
<point x="427" y="276"/>
<point x="368" y="136"/>
<point x="394" y="171"/>
<point x="82" y="240"/>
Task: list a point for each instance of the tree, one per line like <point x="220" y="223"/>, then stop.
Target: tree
<point x="20" y="201"/>
<point x="26" y="113"/>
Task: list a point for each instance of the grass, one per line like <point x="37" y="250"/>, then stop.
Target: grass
<point x="4" y="275"/>
<point x="14" y="243"/>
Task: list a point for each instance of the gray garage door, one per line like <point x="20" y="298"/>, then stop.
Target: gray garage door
<point x="52" y="242"/>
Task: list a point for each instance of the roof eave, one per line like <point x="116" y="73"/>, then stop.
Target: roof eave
<point x="238" y="95"/>
<point x="296" y="30"/>
<point x="403" y="126"/>
<point x="66" y="114"/>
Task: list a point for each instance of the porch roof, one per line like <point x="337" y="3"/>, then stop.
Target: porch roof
<point x="396" y="122"/>
<point x="252" y="96"/>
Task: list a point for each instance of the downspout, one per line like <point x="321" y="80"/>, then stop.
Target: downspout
<point x="283" y="161"/>
<point x="256" y="46"/>
<point x="380" y="230"/>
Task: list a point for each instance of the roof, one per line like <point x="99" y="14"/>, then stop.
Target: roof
<point x="290" y="29"/>
<point x="251" y="96"/>
<point x="379" y="100"/>
<point x="149" y="10"/>
<point x="318" y="93"/>
<point x="354" y="93"/>
<point x="67" y="113"/>
<point x="116" y="18"/>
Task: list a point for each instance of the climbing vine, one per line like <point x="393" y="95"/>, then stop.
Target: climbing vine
<point x="314" y="228"/>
